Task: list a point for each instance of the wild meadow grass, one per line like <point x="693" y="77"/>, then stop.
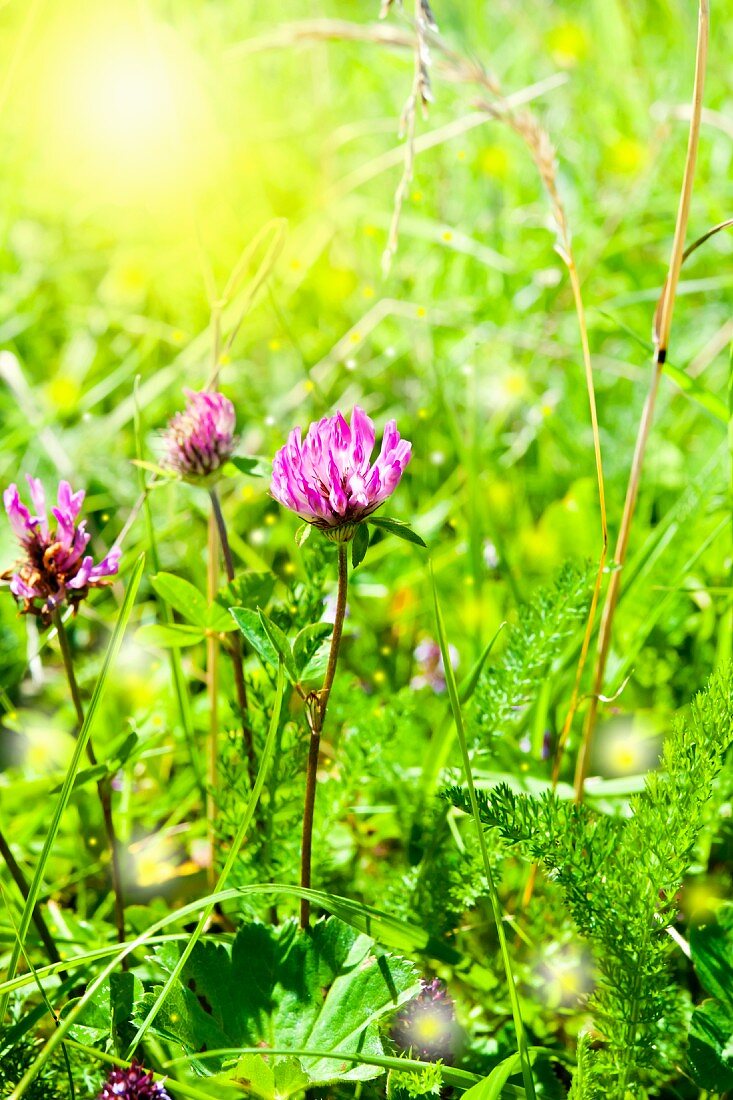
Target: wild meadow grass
<point x="366" y="623"/>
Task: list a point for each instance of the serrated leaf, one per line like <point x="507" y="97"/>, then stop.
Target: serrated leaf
<point x="108" y="1014"/>
<point x="183" y="597"/>
<point x="281" y="645"/>
<point x="252" y="465"/>
<point x="284" y="988"/>
<point x="308" y="642"/>
<point x="398" y="528"/>
<point x="167" y="635"/>
<point x="711" y="1028"/>
<point x="711" y="948"/>
<point x="270" y="1081"/>
<point x="359" y="544"/>
<point x="711" y="1047"/>
<point x="250" y="623"/>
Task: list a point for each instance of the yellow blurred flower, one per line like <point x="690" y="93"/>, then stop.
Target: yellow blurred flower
<point x="568" y="44"/>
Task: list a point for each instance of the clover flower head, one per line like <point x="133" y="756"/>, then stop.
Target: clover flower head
<point x="133" y="1083"/>
<point x="328" y="478"/>
<point x="53" y="569"/>
<point x="431" y="670"/>
<point x="427" y="1025"/>
<point x="201" y="438"/>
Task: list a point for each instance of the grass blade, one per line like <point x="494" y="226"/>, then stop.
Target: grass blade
<point x="231" y="858"/>
<point x="66" y="790"/>
<point x="450" y="679"/>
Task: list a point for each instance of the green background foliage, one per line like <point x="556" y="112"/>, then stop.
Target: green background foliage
<point x="145" y="146"/>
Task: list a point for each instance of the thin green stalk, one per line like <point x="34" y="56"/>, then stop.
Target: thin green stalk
<point x="456" y="1078"/>
<point x="212" y="687"/>
<point x="44" y="996"/>
<point x="174" y="657"/>
<point x="450" y="680"/>
<point x="104" y="785"/>
<point x="662" y="330"/>
<point x="20" y="881"/>
<point x="179" y="1087"/>
<point x="229" y="864"/>
<point x="316" y="712"/>
<point x="236" y="644"/>
<point x="68" y="785"/>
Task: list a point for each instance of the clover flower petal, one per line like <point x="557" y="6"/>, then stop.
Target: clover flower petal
<point x="327" y="478"/>
<point x="132" y="1083"/>
<point x="201" y="438"/>
<point x="53" y="569"/>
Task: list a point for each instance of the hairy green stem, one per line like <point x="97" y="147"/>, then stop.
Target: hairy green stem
<point x="104" y="785"/>
<point x="316" y="717"/>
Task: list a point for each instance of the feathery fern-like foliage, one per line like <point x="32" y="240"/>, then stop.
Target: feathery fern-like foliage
<point x="550" y="619"/>
<point x="619" y="877"/>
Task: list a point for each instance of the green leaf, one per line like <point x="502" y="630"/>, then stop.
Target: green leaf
<point x="109" y="1012"/>
<point x="359" y="544"/>
<point x="398" y="528"/>
<point x="711" y="1028"/>
<point x="169" y="635"/>
<point x="303" y="533"/>
<point x="281" y="644"/>
<point x="86" y="775"/>
<point x="704" y="397"/>
<point x="711" y="1047"/>
<point x="272" y="1082"/>
<point x="307" y="644"/>
<point x="82" y="741"/>
<point x="252" y="465"/>
<point x="468" y="685"/>
<point x="711" y="948"/>
<point x="249" y="590"/>
<point x="491" y="1088"/>
<point x="159" y="471"/>
<point x="218" y="618"/>
<point x="250" y="623"/>
<point x="183" y="597"/>
<point x="281" y="987"/>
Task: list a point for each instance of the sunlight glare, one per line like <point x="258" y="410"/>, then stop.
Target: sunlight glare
<point x="124" y="113"/>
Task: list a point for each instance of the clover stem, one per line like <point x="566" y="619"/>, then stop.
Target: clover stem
<point x="236" y="643"/>
<point x="316" y="718"/>
<point x="104" y="785"/>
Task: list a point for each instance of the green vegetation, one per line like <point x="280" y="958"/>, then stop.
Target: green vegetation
<point x="438" y="804"/>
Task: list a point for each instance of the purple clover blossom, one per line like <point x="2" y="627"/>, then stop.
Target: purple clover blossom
<point x="132" y="1083"/>
<point x="53" y="569"/>
<point x="431" y="670"/>
<point x="327" y="478"/>
<point x="201" y="438"/>
<point x="427" y="1025"/>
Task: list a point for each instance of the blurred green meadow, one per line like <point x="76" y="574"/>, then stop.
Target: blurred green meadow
<point x="150" y="150"/>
